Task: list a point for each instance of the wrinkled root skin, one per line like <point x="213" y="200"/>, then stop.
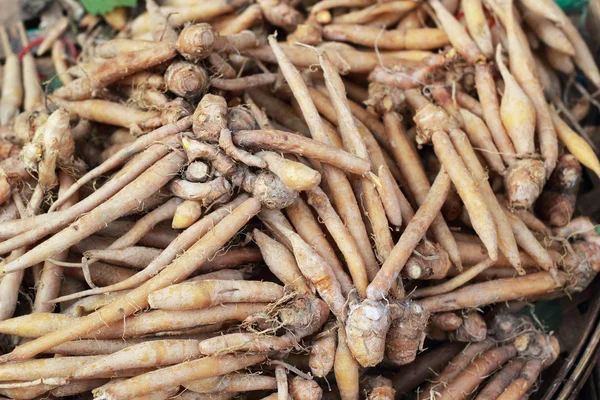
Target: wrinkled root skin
<point x="429" y="261"/>
<point x="524" y="182"/>
<point x="556" y="208"/>
<point x="271" y="192"/>
<point x="366" y="330"/>
<point x="583" y="266"/>
<point x="406" y="333"/>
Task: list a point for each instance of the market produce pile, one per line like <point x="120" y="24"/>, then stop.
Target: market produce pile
<point x="290" y="199"/>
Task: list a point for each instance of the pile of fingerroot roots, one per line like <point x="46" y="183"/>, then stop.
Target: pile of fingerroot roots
<point x="284" y="199"/>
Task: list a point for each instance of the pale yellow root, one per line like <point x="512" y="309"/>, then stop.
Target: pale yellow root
<point x="500" y="290"/>
<point x="354" y="143"/>
<point x="207" y="293"/>
<point x="488" y="96"/>
<point x="236" y="382"/>
<point x="156" y="353"/>
<point x="12" y="87"/>
<point x="506" y="238"/>
<point x="345" y="369"/>
<point x="409" y="163"/>
<point x="341" y="235"/>
<point x="188" y="212"/>
<point x="318" y="272"/>
<point x="309" y="229"/>
<point x="50" y="281"/>
<point x="179" y="374"/>
<point x="454" y="368"/>
<point x="457" y="35"/>
<point x="62" y="367"/>
<point x="345" y="200"/>
<point x="478" y="26"/>
<point x="481" y="138"/>
<point x="287" y="142"/>
<point x="322" y="351"/>
<point x="414" y="232"/>
<point x="60" y="62"/>
<point x="292" y="173"/>
<point x="369" y="14"/>
<point x="517" y="111"/>
<point x="529" y="243"/>
<point x="469" y="103"/>
<point x="178" y="270"/>
<point x="115" y="69"/>
<point x="523" y="68"/>
<point x="116" y="47"/>
<point x="549" y="33"/>
<point x="146" y="323"/>
<point x="576" y="144"/>
<point x="281" y="262"/>
<point x="412" y="39"/>
<point x="481" y="218"/>
<point x="245" y="342"/>
<point x="106" y="112"/>
<point x="239" y="22"/>
<point x="144" y="186"/>
<point x="178" y="16"/>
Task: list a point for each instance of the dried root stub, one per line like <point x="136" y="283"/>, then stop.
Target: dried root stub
<point x="555" y="207"/>
<point x="304" y="389"/>
<point x="270" y="190"/>
<point x="304" y="315"/>
<point x="210" y="118"/>
<point x="384" y="98"/>
<point x="240" y="118"/>
<point x="429" y="261"/>
<point x="378" y="388"/>
<point x="215" y="191"/>
<point x="366" y="329"/>
<point x="525" y="180"/>
<point x="51" y="145"/>
<point x="583" y="266"/>
<point x="567" y="174"/>
<point x="198" y="41"/>
<point x="406" y="332"/>
<point x="473" y="329"/>
<point x="186" y="79"/>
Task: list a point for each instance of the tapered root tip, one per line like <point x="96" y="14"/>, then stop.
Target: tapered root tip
<point x="524" y="181"/>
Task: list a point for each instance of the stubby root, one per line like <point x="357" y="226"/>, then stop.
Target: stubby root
<point x="366" y="330"/>
<point x="524" y="181"/>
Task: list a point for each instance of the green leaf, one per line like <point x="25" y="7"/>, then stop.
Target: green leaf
<point x="101" y="7"/>
<point x="597" y="229"/>
<point x="548" y="313"/>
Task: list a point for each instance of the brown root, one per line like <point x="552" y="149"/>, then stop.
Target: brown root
<point x="556" y="208"/>
<point x="429" y="261"/>
<point x="379" y="388"/>
<point x="567" y="174"/>
<point x="446" y="322"/>
<point x="406" y="332"/>
<point x="196" y="41"/>
<point x="280" y="14"/>
<point x="473" y="329"/>
<point x="583" y="266"/>
<point x="240" y="118"/>
<point x="186" y="79"/>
